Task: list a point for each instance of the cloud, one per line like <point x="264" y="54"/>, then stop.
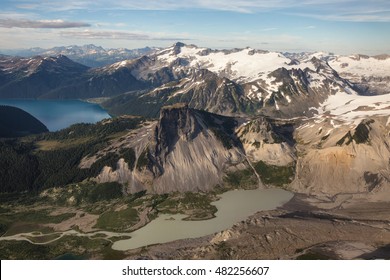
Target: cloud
<point x="119" y="35"/>
<point x="383" y="16"/>
<point x="26" y="23"/>
<point x="226" y="5"/>
<point x="242" y="6"/>
<point x="269" y="29"/>
<point x="332" y="10"/>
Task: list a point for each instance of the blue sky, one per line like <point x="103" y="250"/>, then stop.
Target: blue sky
<point x="339" y="26"/>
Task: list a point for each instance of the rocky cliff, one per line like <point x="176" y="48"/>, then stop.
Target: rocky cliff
<point x="338" y="158"/>
<point x="179" y="152"/>
<point x="191" y="150"/>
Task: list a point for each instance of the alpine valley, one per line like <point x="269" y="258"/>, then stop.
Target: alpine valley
<point x="190" y="124"/>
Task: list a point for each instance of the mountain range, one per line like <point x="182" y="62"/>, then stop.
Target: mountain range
<point x="234" y="82"/>
<point x="89" y="55"/>
<point x="193" y="122"/>
<point x="222" y="113"/>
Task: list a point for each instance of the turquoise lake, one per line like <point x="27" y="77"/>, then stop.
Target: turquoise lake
<point x="59" y="114"/>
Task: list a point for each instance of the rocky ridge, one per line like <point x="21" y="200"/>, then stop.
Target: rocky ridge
<point x="235" y="82"/>
<point x="191" y="150"/>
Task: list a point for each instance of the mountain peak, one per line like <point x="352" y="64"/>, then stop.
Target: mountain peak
<point x="176" y="121"/>
<point x="179" y="44"/>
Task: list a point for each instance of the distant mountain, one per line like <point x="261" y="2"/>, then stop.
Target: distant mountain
<point x="15" y="122"/>
<point x="34" y="77"/>
<point x="89" y="55"/>
<point x="371" y="74"/>
<point x="61" y="78"/>
<point x="237" y="82"/>
<point x="234" y="82"/>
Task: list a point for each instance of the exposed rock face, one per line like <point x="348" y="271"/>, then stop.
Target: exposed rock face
<point x="188" y="156"/>
<point x="191" y="150"/>
<point x="261" y="142"/>
<point x="182" y="151"/>
<point x="200" y="89"/>
<point x="122" y="174"/>
<point x="176" y="122"/>
<point x="344" y="158"/>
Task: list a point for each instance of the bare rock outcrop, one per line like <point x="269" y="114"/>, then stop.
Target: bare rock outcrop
<point x="187" y="155"/>
<point x="341" y="158"/>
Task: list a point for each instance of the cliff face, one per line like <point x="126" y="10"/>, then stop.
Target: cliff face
<point x="176" y="123"/>
<point x="185" y="150"/>
<point x="191" y="150"/>
<point x="187" y="155"/>
<point x="341" y="158"/>
<point x="269" y="142"/>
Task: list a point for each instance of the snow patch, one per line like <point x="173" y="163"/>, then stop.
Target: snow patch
<point x="361" y="66"/>
<point x="352" y="108"/>
<point x="240" y="66"/>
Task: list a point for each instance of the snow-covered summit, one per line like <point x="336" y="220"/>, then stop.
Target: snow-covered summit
<point x="240" y="65"/>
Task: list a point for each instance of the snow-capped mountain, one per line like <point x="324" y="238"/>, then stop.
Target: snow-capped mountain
<point x="89" y="55"/>
<point x="370" y="73"/>
<point x="300" y="113"/>
<point x="234" y="82"/>
<point x="255" y="80"/>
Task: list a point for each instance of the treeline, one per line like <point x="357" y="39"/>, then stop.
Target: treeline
<point x="100" y="130"/>
<point x="24" y="169"/>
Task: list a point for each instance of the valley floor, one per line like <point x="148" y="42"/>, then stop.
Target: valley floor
<point x="307" y="227"/>
<point x="298" y="230"/>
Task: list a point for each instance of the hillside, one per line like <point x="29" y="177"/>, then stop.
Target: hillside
<point x="191" y="150"/>
<point x="15" y="122"/>
<point x="58" y="77"/>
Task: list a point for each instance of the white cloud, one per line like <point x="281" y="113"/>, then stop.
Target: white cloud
<point x="119" y="35"/>
<point x="339" y="10"/>
<point x="26" y="23"/>
<point x="269" y="29"/>
<point x="356" y="16"/>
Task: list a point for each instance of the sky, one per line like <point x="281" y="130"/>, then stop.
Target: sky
<point x="338" y="26"/>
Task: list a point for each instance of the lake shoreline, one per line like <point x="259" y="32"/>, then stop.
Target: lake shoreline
<point x="57" y="114"/>
<point x="175" y="227"/>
